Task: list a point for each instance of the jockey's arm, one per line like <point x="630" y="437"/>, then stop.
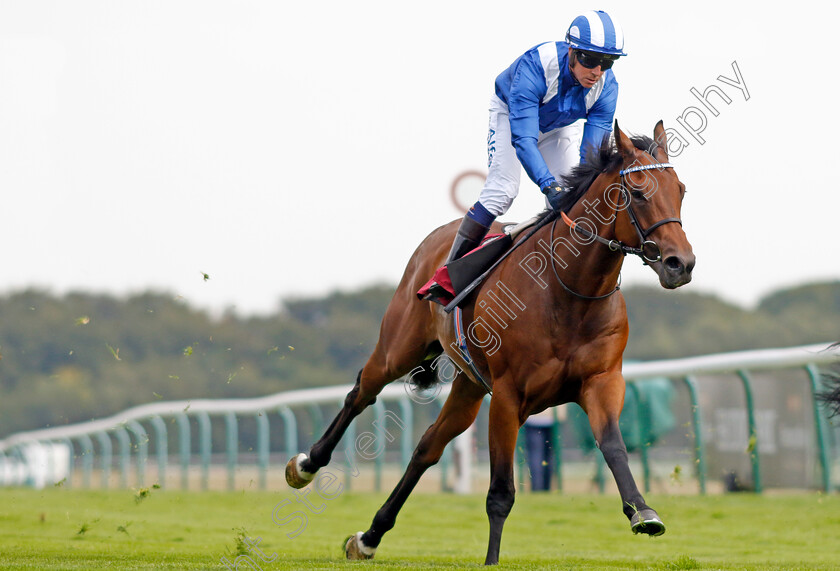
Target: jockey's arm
<point x="527" y="90"/>
<point x="599" y="120"/>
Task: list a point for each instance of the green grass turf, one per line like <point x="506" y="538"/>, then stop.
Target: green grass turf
<point x="59" y="528"/>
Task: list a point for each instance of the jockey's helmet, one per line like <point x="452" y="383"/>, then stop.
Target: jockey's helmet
<point x="596" y="31"/>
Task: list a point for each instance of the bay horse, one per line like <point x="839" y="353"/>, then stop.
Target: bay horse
<point x="556" y="337"/>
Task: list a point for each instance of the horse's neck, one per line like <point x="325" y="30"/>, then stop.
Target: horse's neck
<point x="591" y="268"/>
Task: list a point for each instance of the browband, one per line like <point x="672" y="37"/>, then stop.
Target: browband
<point x="645" y="168"/>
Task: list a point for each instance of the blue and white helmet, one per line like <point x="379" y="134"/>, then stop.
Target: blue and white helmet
<point x="596" y="31"/>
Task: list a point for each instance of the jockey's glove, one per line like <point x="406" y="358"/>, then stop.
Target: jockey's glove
<point x="555" y="194"/>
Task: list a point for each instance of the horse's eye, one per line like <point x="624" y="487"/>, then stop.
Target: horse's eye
<point x="638" y="194"/>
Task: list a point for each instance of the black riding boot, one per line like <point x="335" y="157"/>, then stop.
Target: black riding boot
<point x="469" y="237"/>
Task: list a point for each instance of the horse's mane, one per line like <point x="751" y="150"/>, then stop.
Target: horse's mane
<point x="603" y="160"/>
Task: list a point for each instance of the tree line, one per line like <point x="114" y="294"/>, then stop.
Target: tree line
<point x="79" y="356"/>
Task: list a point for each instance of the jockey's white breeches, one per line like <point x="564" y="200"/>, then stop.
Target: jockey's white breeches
<point x="559" y="148"/>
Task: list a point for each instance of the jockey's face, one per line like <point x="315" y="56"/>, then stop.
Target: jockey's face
<point x="586" y="76"/>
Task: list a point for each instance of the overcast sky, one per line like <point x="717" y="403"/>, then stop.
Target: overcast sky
<point x="291" y="149"/>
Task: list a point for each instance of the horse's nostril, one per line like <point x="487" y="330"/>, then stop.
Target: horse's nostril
<point x="674" y="264"/>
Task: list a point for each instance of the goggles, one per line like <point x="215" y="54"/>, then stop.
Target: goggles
<point x="591" y="60"/>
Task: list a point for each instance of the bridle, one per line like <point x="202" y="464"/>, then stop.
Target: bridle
<point x="648" y="250"/>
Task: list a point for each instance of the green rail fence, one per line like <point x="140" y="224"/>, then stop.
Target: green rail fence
<point x="181" y="433"/>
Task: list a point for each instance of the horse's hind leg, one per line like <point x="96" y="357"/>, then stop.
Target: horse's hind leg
<point x="459" y="411"/>
<point x="302" y="468"/>
<point x="369" y="383"/>
<point x="603" y="403"/>
<point x="401" y="347"/>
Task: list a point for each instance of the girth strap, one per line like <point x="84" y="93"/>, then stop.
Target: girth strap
<point x="461" y="339"/>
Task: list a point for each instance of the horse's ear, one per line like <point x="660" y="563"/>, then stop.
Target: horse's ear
<point x="624" y="144"/>
<point x="660" y="139"/>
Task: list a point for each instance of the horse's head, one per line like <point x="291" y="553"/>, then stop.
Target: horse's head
<point x="651" y="194"/>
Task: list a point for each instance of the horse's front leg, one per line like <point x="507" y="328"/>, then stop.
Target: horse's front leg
<point x="504" y="427"/>
<point x="603" y="399"/>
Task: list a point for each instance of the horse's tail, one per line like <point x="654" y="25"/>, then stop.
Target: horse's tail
<point x="424" y="376"/>
<point x="831" y="394"/>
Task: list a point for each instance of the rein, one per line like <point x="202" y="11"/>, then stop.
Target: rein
<point x="648" y="250"/>
<point x="611" y="244"/>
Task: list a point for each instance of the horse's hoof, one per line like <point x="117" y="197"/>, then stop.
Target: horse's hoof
<point x="647" y="521"/>
<point x="296" y="476"/>
<point x="355" y="549"/>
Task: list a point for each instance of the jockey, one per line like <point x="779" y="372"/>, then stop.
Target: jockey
<point x="533" y="115"/>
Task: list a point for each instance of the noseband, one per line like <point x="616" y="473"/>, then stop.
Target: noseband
<point x="648" y="250"/>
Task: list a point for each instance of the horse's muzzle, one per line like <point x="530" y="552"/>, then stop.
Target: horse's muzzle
<point x="676" y="271"/>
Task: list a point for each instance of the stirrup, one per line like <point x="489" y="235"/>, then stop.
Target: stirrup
<point x="438" y="294"/>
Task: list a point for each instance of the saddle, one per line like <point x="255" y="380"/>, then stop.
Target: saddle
<point x="462" y="275"/>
